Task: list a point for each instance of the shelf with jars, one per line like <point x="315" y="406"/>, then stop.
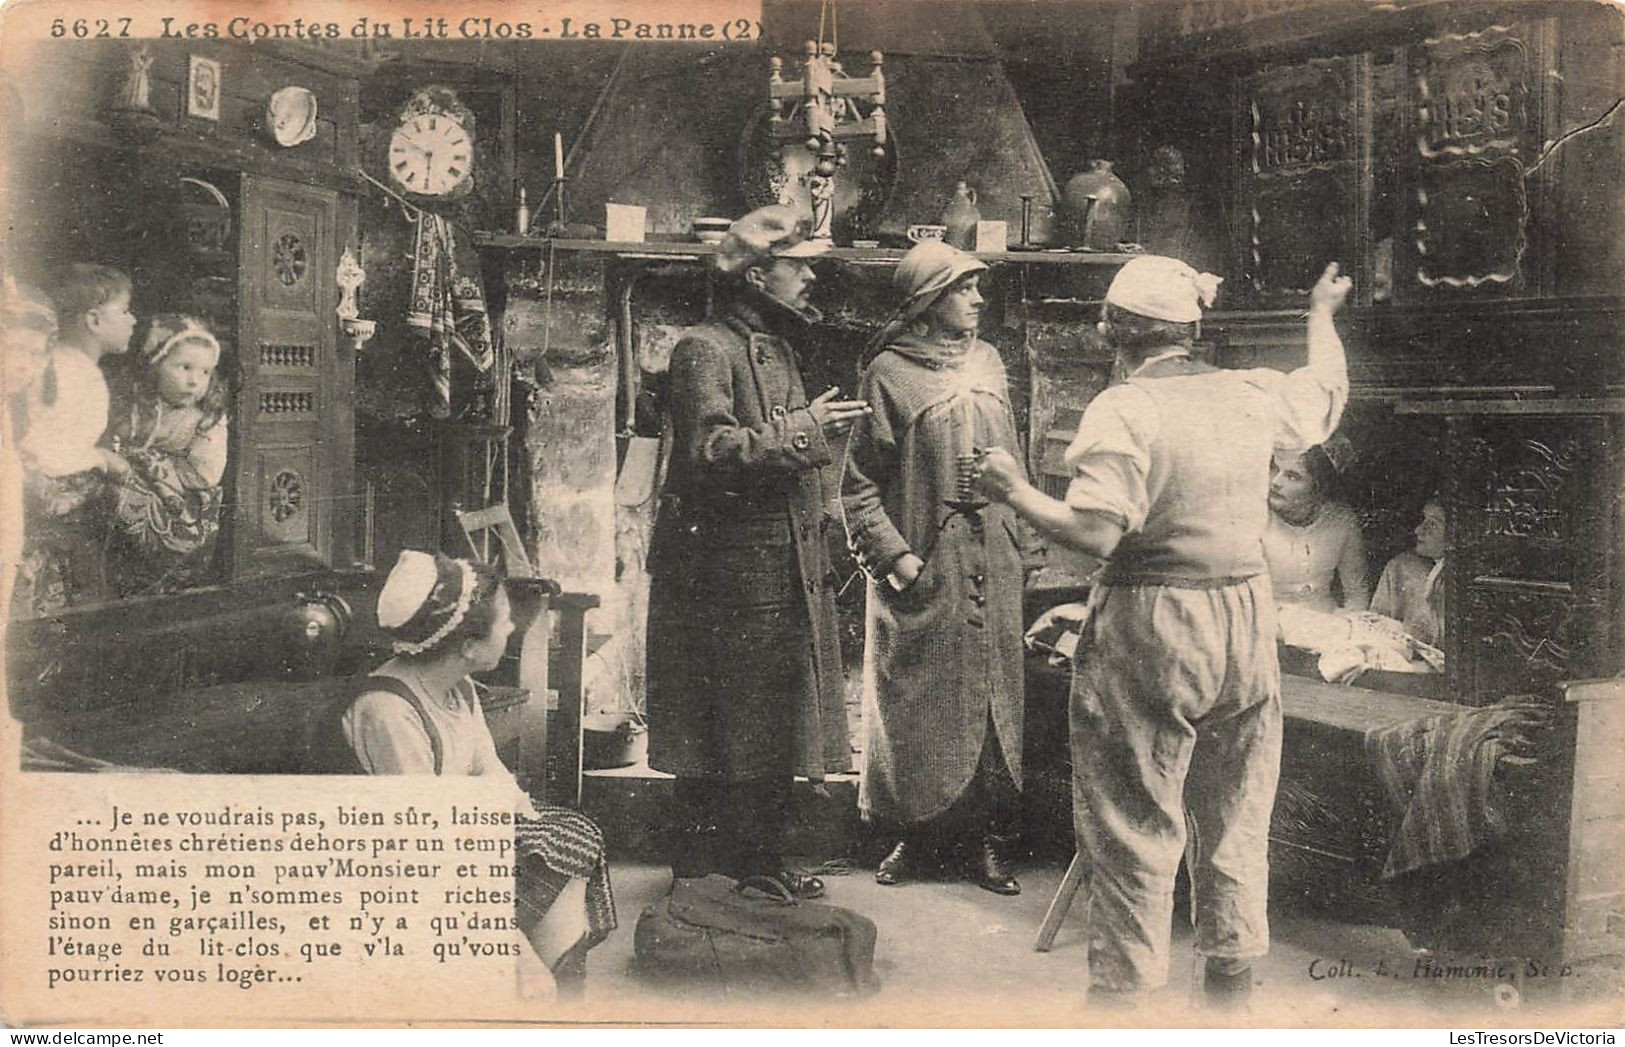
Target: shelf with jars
<point x="689" y="250"/>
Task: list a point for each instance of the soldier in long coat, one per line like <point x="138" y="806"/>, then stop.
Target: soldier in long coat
<point x="942" y="678"/>
<point x="745" y="683"/>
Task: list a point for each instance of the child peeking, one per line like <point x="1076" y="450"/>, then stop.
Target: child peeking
<point x="173" y="436"/>
<point x="27" y="325"/>
<point x="66" y="471"/>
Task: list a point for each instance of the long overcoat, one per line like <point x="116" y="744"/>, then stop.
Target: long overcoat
<point x="744" y="662"/>
<point x="943" y="658"/>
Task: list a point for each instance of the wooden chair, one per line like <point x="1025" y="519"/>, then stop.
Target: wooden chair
<point x="1058" y="906"/>
<point x="495" y="522"/>
<point x="491" y="532"/>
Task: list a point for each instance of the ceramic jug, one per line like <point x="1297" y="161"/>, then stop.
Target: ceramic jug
<point x="961" y="217"/>
<point x="1099" y="210"/>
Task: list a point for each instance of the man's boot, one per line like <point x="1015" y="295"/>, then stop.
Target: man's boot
<point x="1227" y="983"/>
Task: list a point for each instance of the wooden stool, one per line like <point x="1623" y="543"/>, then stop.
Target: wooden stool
<point x="1058" y="906"/>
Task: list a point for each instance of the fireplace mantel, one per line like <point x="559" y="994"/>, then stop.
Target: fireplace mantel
<point x="683" y="250"/>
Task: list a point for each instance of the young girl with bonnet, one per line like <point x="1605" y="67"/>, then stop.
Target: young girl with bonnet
<point x="419" y="713"/>
<point x="173" y="434"/>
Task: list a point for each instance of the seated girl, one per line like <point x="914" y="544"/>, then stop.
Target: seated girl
<point x="173" y="433"/>
<point x="1411" y="588"/>
<point x="1401" y="632"/>
<point x="419" y="714"/>
<point x="1313" y="544"/>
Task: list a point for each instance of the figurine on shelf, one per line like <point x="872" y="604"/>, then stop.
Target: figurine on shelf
<point x="820" y="183"/>
<point x="960" y="219"/>
<point x="1173" y="221"/>
<point x="350" y="276"/>
<point x="132" y="102"/>
<point x="134" y="94"/>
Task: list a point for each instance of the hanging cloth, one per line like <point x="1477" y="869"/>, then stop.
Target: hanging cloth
<point x="448" y="308"/>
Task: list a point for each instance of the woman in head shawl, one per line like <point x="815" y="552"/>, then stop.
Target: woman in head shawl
<point x="942" y="678"/>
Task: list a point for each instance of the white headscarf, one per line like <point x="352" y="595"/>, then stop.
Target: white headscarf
<point x="1163" y="289"/>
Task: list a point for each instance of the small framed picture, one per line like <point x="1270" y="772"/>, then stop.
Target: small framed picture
<point x="203" y="88"/>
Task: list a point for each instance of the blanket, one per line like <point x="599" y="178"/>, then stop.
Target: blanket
<point x="1438" y="772"/>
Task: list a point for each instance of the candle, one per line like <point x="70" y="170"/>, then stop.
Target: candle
<point x="964" y="416"/>
<point x="558" y="156"/>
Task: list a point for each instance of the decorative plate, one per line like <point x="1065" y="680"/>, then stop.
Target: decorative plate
<point x="290" y="116"/>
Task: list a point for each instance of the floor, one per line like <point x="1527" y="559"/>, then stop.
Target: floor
<point x="952" y="955"/>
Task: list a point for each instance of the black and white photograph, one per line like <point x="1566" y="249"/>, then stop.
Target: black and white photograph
<point x="813" y="513"/>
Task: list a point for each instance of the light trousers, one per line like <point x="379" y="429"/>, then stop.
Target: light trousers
<point x="1175" y="712"/>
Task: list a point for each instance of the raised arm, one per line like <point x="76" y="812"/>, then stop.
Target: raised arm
<point x="1312" y="398"/>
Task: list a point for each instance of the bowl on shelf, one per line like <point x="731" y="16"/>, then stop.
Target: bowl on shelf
<point x="711" y="230"/>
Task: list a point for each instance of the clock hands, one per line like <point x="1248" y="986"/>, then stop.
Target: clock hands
<point x="426" y="153"/>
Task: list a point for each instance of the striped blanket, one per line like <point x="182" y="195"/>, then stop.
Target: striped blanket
<point x="560" y="845"/>
<point x="1439" y="774"/>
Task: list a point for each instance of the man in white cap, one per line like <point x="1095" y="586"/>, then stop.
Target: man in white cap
<point x="745" y="682"/>
<point x="942" y="681"/>
<point x="1176" y="691"/>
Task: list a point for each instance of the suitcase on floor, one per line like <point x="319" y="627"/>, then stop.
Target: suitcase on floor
<point x="754" y="936"/>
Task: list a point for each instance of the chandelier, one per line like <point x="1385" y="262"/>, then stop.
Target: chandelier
<point x="822" y="109"/>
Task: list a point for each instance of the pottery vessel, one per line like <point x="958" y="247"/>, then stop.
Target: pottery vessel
<point x="1099" y="209"/>
<point x="960" y="219"/>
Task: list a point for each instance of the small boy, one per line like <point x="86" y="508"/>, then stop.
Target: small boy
<point x="67" y="470"/>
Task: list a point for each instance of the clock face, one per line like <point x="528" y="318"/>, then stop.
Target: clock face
<point x="431" y="154"/>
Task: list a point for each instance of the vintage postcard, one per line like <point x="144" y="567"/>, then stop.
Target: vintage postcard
<point x="833" y="513"/>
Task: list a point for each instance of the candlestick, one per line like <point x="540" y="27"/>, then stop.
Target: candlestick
<point x="558" y="156"/>
<point x="964" y="424"/>
<point x="964" y="436"/>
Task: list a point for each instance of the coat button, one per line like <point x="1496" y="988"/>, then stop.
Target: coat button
<point x="977" y="579"/>
<point x="978" y="599"/>
<point x="778" y="411"/>
<point x="800" y="442"/>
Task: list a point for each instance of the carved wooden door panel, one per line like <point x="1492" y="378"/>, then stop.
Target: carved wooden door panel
<point x="1534" y="562"/>
<point x="287" y="414"/>
<point x="1478" y="203"/>
<point x="1302" y="137"/>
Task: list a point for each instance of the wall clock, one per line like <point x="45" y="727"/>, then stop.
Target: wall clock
<point x="431" y="152"/>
